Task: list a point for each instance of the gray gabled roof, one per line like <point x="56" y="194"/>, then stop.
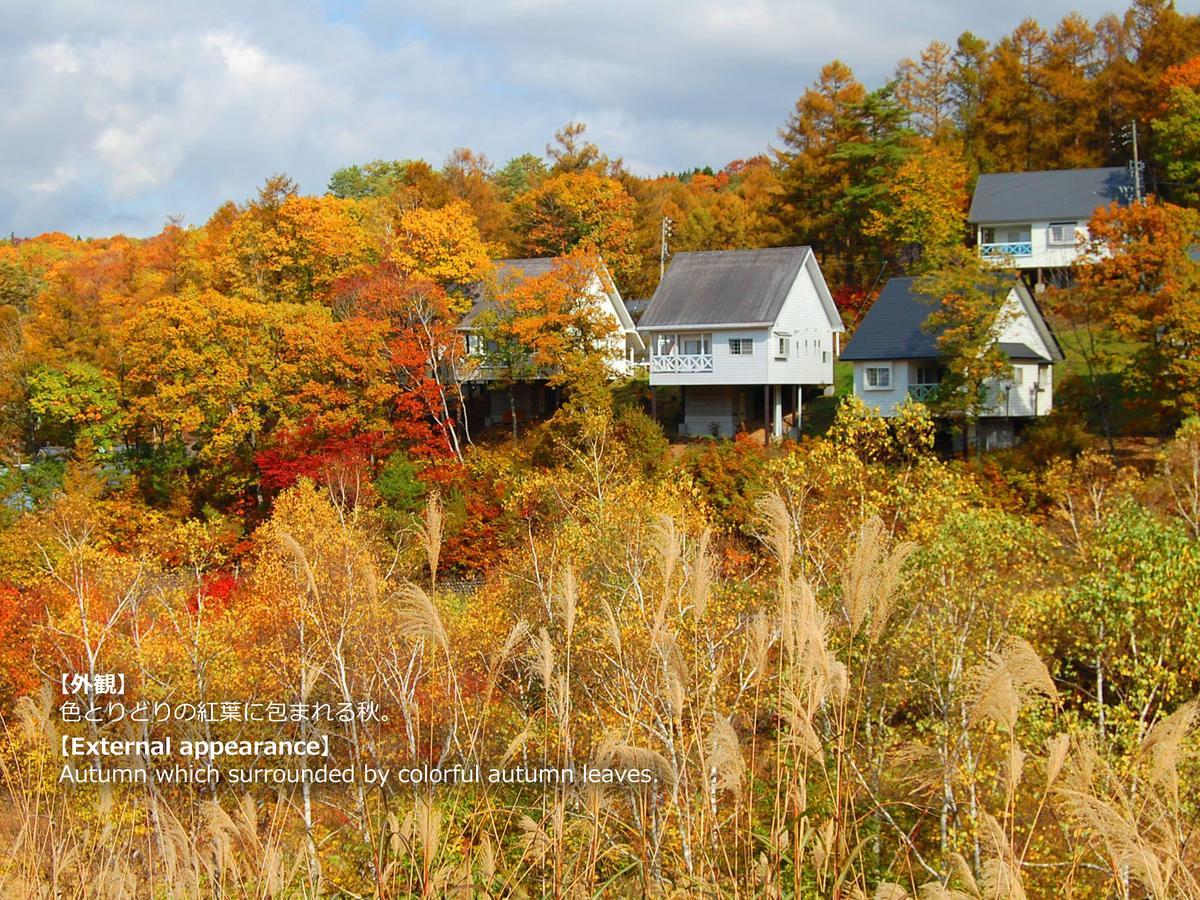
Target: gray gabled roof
<point x="506" y="269"/>
<point x="535" y="267"/>
<point x="1070" y="194"/>
<point x="892" y="327"/>
<point x="732" y="288"/>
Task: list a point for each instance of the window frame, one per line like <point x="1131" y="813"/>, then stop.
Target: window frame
<point x="1070" y="242"/>
<point x="866" y="379"/>
<point x="783" y="345"/>
<point x="741" y="346"/>
<point x="703" y="338"/>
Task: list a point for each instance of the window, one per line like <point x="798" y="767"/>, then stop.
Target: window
<point x="664" y="345"/>
<point x="741" y="347"/>
<point x="696" y="344"/>
<point x="877" y="378"/>
<point x="928" y="375"/>
<point x="1017" y="375"/>
<point x="1062" y="233"/>
<point x="783" y="345"/>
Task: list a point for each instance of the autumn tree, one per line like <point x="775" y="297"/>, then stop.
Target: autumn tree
<point x="968" y="86"/>
<point x="812" y="178"/>
<point x="291" y="248"/>
<point x="571" y="152"/>
<point x="578" y="209"/>
<point x="842" y="146"/>
<point x="1177" y="132"/>
<point x="924" y="87"/>
<point x="548" y="326"/>
<point x="1072" y="137"/>
<point x="470" y="178"/>
<point x="520" y="174"/>
<point x="1143" y="281"/>
<point x="423" y="352"/>
<point x="921" y="212"/>
<point x="442" y="245"/>
<point x="970" y="310"/>
<point x="1015" y="111"/>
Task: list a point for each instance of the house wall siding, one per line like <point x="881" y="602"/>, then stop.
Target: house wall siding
<point x="884" y="401"/>
<point x="810" y="356"/>
<point x="1045" y="255"/>
<point x="727" y="368"/>
<point x="803" y="319"/>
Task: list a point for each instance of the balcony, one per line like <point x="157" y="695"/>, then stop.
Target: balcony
<point x="700" y="362"/>
<point x="923" y="393"/>
<point x="1011" y="248"/>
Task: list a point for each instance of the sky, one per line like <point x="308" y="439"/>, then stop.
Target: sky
<point x="115" y="116"/>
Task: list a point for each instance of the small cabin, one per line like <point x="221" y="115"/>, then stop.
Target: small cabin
<point x="896" y="358"/>
<point x="1038" y="220"/>
<point x="741" y="333"/>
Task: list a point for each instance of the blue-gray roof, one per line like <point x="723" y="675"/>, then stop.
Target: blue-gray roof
<point x="519" y="269"/>
<point x="1069" y="194"/>
<point x="892" y="328"/>
<point x="729" y="287"/>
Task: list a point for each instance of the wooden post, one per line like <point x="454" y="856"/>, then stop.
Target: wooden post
<point x="653" y="403"/>
<point x="799" y="408"/>
<point x="767" y="415"/>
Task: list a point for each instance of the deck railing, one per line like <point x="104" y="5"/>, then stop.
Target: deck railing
<point x="923" y="393"/>
<point x="699" y="362"/>
<point x="1011" y="248"/>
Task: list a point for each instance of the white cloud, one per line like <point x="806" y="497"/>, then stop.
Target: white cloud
<point x="116" y="115"/>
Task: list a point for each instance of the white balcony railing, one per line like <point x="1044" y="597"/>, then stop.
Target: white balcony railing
<point x="700" y="362"/>
<point x="1011" y="248"/>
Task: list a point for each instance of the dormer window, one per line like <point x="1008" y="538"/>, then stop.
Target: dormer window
<point x="1062" y="233"/>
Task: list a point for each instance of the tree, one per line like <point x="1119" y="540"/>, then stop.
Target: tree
<point x="578" y="209"/>
<point x="375" y="179"/>
<point x="921" y="212"/>
<point x="570" y="152"/>
<point x="291" y="249"/>
<point x="1143" y="282"/>
<point x="971" y="310"/>
<point x="548" y="326"/>
<point x="423" y="351"/>
<point x="469" y="176"/>
<point x="520" y="174"/>
<point x="842" y="146"/>
<point x="442" y="245"/>
<point x="968" y="87"/>
<point x="1015" y="112"/>
<point x="812" y="179"/>
<point x="925" y="89"/>
<point x="1071" y="137"/>
<point x="76" y="401"/>
<point x="1177" y="132"/>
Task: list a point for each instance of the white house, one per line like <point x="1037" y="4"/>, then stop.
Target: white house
<point x="1037" y="220"/>
<point x="621" y="348"/>
<point x="740" y="332"/>
<point x="896" y="357"/>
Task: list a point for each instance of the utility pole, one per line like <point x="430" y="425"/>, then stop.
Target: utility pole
<point x="664" y="234"/>
<point x="1137" y="167"/>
